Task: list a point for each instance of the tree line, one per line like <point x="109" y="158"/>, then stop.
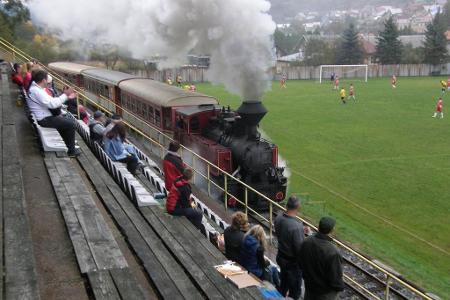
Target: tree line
<point x="348" y="48"/>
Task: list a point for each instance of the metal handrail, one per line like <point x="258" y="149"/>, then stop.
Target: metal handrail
<point x="390" y="276"/>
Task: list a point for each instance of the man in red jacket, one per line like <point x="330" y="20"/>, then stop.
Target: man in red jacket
<point x="173" y="165"/>
<point x="179" y="201"/>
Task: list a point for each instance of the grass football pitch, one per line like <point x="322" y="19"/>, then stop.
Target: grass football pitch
<point x="380" y="166"/>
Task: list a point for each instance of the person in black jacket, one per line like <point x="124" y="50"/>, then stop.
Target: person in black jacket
<point x="290" y="235"/>
<point x="234" y="235"/>
<point x="321" y="264"/>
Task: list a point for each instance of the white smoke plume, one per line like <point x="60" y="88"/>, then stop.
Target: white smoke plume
<point x="236" y="33"/>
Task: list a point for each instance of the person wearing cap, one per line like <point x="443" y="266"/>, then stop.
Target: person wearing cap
<point x="111" y="122"/>
<point x="321" y="264"/>
<point x="97" y="127"/>
<point x="234" y="235"/>
<point x="173" y="165"/>
<point x="290" y="235"/>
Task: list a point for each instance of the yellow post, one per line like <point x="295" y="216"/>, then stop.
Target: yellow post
<point x="388" y="283"/>
<point x="270" y="221"/>
<point x="193" y="168"/>
<point x="162" y="151"/>
<point x="246" y="200"/>
<point x="209" y="179"/>
<point x="225" y="187"/>
<point x="78" y="107"/>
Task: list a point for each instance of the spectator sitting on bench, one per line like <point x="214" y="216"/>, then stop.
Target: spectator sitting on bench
<point x="234" y="235"/>
<point x="72" y="105"/>
<point x="97" y="127"/>
<point x="173" y="165"/>
<point x="117" y="149"/>
<point x="111" y="122"/>
<point x="50" y="87"/>
<point x="26" y="75"/>
<point x="252" y="256"/>
<point x="16" y="75"/>
<point x="40" y="104"/>
<point x="179" y="201"/>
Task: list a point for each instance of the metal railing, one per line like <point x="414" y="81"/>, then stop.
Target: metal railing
<point x="159" y="142"/>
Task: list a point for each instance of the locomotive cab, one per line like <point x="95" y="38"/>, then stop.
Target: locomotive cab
<point x="190" y="124"/>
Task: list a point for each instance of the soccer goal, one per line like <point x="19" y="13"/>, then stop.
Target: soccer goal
<point x="343" y="71"/>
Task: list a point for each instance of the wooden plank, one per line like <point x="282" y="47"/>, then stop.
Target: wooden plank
<point x="103" y="247"/>
<point x="20" y="277"/>
<point x="103" y="285"/>
<point x="82" y="251"/>
<point x="172" y="241"/>
<point x="126" y="285"/>
<point x="168" y="277"/>
<point x="1" y="207"/>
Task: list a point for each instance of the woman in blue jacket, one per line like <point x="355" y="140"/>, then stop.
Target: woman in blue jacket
<point x="117" y="150"/>
<point x="252" y="256"/>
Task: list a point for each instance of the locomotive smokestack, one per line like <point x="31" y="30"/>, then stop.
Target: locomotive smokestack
<point x="251" y="113"/>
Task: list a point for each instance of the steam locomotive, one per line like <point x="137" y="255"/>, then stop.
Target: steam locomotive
<point x="226" y="138"/>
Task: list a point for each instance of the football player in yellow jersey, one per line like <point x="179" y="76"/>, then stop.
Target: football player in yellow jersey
<point x="343" y="94"/>
<point x="443" y="85"/>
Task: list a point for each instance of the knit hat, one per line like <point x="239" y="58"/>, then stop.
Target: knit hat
<point x="98" y="114"/>
<point x="326" y="225"/>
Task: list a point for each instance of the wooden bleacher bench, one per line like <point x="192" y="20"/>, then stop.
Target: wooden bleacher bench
<point x="98" y="254"/>
<point x="18" y="276"/>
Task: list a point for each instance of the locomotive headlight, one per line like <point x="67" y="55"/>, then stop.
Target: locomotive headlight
<point x="279" y="196"/>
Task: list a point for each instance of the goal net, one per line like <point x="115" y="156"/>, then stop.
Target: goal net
<point x="343" y="71"/>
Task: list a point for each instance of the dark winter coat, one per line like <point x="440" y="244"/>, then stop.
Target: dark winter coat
<point x="290" y="236"/>
<point x="321" y="265"/>
<point x="233" y="240"/>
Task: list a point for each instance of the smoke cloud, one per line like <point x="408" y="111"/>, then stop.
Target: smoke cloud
<point x="236" y="33"/>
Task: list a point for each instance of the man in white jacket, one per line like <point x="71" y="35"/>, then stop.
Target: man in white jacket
<point x="40" y="103"/>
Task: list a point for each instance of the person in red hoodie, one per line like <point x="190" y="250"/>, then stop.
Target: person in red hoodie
<point x="16" y="76"/>
<point x="173" y="165"/>
<point x="179" y="201"/>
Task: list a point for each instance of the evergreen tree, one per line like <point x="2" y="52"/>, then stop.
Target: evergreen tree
<point x="446" y="14"/>
<point x="435" y="45"/>
<point x="350" y="50"/>
<point x="5" y="29"/>
<point x="389" y="47"/>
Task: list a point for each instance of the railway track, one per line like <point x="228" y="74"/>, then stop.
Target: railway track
<point x="363" y="281"/>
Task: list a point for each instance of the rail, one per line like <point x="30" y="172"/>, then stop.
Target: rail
<point x="160" y="141"/>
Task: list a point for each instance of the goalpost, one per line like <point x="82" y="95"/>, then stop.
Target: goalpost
<point x="344" y="71"/>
